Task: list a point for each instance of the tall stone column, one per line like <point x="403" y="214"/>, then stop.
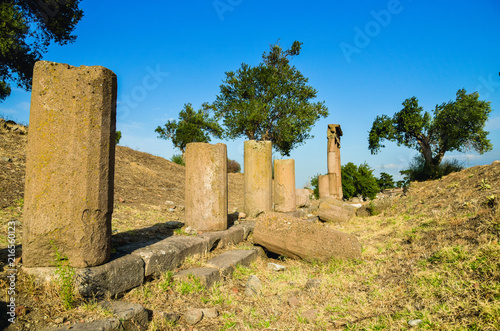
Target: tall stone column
<point x="68" y="200"/>
<point x="334" y="167"/>
<point x="324" y="186"/>
<point x="284" y="185"/>
<point x="206" y="186"/>
<point x="258" y="177"/>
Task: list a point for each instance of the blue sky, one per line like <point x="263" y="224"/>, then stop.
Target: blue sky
<point x="363" y="57"/>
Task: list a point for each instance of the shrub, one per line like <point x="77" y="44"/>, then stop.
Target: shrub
<point x="419" y="171"/>
<point x="178" y="158"/>
<point x="233" y="167"/>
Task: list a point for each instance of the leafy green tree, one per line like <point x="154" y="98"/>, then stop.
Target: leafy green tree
<point x="367" y="185"/>
<point x="349" y="175"/>
<point x="271" y="101"/>
<point x="455" y="126"/>
<point x="118" y="137"/>
<point x="27" y="28"/>
<point x="359" y="181"/>
<point x="315" y="186"/>
<point x="385" y="181"/>
<point x="193" y="126"/>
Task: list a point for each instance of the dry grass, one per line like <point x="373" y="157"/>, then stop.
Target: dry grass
<point x="433" y="256"/>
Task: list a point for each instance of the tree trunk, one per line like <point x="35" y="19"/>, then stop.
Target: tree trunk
<point x="431" y="164"/>
<point x="423" y="141"/>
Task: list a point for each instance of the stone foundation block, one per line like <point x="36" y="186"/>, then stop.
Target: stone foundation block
<point x="221" y="239"/>
<point x="169" y="253"/>
<point x="227" y="261"/>
<point x="112" y="278"/>
<point x="207" y="276"/>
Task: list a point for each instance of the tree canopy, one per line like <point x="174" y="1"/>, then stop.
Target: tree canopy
<point x="385" y="181"/>
<point x="270" y="101"/>
<point x="26" y="30"/>
<point x="193" y="126"/>
<point x="358" y="181"/>
<point x="454" y="126"/>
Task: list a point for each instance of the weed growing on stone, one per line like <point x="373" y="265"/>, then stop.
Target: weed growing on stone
<point x="65" y="280"/>
<point x="190" y="285"/>
<point x="166" y="281"/>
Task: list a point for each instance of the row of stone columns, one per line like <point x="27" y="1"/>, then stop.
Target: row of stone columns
<point x="206" y="183"/>
<point x="70" y="170"/>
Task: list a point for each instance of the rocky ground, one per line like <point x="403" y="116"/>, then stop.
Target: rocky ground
<point x="430" y="259"/>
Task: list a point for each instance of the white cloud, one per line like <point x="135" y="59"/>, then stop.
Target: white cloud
<point x="389" y="166"/>
<point x="463" y="157"/>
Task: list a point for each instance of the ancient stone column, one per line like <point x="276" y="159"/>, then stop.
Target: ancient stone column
<point x="258" y="177"/>
<point x="206" y="186"/>
<point x="334" y="168"/>
<point x="68" y="200"/>
<point x="284" y="185"/>
<point x="324" y="186"/>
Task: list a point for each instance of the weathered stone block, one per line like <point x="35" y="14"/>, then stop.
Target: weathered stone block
<point x="248" y="227"/>
<point x="108" y="324"/>
<point x="68" y="198"/>
<point x="112" y="278"/>
<point x="323" y="186"/>
<point x="168" y="254"/>
<point x="207" y="276"/>
<point x="302" y="197"/>
<point x="158" y="258"/>
<point x="284" y="185"/>
<point x="133" y="316"/>
<point x="227" y="261"/>
<point x="221" y="239"/>
<point x="206" y="186"/>
<point x="334" y="210"/>
<point x="258" y="177"/>
<point x="296" y="238"/>
<point x="127" y="316"/>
